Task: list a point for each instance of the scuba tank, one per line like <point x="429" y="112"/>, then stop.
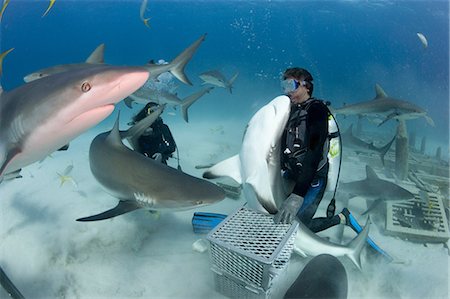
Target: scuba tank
<point x="334" y="154"/>
<point x="334" y="161"/>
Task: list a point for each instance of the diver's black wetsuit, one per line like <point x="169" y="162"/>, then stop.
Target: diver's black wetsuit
<point x="157" y="140"/>
<point x="304" y="159"/>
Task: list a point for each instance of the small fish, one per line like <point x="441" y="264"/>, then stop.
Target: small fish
<point x="423" y="39"/>
<point x="5" y="4"/>
<point x="65" y="176"/>
<point x="2" y="56"/>
<point x="52" y="2"/>
<point x="142" y="11"/>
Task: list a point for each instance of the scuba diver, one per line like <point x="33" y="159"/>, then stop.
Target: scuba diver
<point x="157" y="141"/>
<point x="305" y="144"/>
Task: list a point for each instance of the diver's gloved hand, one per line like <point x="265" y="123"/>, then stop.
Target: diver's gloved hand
<point x="157" y="157"/>
<point x="288" y="211"/>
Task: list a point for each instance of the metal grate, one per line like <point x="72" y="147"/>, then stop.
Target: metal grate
<point x="419" y="219"/>
<point x="248" y="245"/>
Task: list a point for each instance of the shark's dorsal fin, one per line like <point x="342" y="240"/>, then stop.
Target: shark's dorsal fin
<point x="379" y="92"/>
<point x="371" y="175"/>
<point x="114" y="135"/>
<point x="97" y="56"/>
<point x="133" y="133"/>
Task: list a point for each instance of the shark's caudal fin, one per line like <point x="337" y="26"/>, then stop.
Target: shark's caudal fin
<point x="2" y="57"/>
<point x="385" y="149"/>
<point x="230" y="83"/>
<point x="188" y="101"/>
<point x="229" y="167"/>
<point x="98" y="55"/>
<point x="357" y="244"/>
<point x="124" y="206"/>
<point x="177" y="65"/>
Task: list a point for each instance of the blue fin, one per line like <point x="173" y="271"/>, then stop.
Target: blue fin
<point x="203" y="222"/>
<point x="357" y="228"/>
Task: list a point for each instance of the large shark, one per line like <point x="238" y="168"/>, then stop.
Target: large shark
<point x="141" y="182"/>
<point x="145" y="95"/>
<point x="96" y="57"/>
<point x="216" y="78"/>
<point x="257" y="166"/>
<point x="352" y="141"/>
<point x="175" y="67"/>
<point x="40" y="117"/>
<point x="322" y="277"/>
<point x="385" y="107"/>
<point x="375" y="189"/>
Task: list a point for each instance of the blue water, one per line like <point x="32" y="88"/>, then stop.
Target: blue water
<point x="348" y="46"/>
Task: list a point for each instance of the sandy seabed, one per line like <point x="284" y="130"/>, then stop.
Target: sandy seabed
<point x="47" y="254"/>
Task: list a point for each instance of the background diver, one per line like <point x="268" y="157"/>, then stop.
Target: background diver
<point x="157" y="141"/>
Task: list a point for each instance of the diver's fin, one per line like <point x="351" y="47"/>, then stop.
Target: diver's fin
<point x="124" y="206"/>
<point x="203" y="222"/>
<point x="357" y="228"/>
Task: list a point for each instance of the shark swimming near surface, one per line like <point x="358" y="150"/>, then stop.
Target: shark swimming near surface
<point x="175" y="67"/>
<point x="216" y="78"/>
<point x="385" y="107"/>
<point x="96" y="57"/>
<point x="352" y="141"/>
<point x="141" y="182"/>
<point x="375" y="189"/>
<point x="39" y="117"/>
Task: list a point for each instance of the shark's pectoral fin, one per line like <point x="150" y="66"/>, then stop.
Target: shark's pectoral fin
<point x="429" y="120"/>
<point x="372" y="206"/>
<point x="261" y="185"/>
<point x="229" y="167"/>
<point x="8" y="158"/>
<point x="124" y="206"/>
<point x="389" y="117"/>
<point x="129" y="102"/>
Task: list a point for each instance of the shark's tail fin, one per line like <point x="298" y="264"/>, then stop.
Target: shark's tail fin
<point x="230" y="83"/>
<point x="386" y="148"/>
<point x="177" y="65"/>
<point x="2" y="56"/>
<point x="124" y="206"/>
<point x="188" y="101"/>
<point x="357" y="244"/>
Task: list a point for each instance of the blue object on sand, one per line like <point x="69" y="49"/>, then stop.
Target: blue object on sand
<point x="204" y="222"/>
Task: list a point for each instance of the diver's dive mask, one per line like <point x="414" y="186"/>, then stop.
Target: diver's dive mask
<point x="290" y="85"/>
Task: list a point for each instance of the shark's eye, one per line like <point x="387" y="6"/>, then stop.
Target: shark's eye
<point x="85" y="87"/>
<point x="199" y="202"/>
